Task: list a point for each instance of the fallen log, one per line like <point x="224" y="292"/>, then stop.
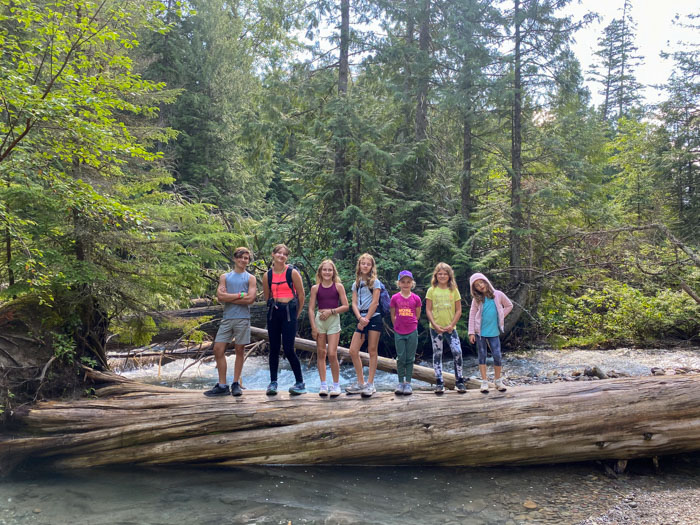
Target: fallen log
<point x="618" y="419"/>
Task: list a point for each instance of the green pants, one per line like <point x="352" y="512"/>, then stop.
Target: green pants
<point x="405" y="354"/>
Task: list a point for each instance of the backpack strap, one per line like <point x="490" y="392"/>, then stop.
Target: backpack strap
<point x="290" y="282"/>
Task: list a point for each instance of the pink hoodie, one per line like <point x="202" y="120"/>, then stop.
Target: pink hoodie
<point x="503" y="306"/>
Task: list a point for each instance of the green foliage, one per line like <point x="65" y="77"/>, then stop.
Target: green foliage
<point x="64" y="348"/>
<point x="619" y="314"/>
<point x="137" y="331"/>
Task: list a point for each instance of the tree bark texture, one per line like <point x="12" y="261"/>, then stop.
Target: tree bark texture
<point x="131" y="423"/>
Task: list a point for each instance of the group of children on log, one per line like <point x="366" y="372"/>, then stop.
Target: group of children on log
<point x="283" y="290"/>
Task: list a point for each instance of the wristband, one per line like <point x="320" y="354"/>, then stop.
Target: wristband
<point x="242" y="295"/>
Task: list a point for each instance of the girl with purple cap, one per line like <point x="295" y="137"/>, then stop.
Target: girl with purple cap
<point x="405" y="311"/>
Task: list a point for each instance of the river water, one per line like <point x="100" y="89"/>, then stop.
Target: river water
<point x="571" y="493"/>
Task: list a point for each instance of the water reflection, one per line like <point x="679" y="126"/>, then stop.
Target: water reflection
<point x="549" y="494"/>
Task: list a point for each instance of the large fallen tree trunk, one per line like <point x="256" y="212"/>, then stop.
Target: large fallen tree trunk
<point x="611" y="419"/>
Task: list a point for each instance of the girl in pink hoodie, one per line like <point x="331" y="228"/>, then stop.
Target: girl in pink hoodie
<point x="487" y="315"/>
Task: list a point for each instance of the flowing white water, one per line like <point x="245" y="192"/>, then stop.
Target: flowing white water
<point x="541" y="362"/>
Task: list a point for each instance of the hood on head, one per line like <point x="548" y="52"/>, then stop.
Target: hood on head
<point x="478" y="276"/>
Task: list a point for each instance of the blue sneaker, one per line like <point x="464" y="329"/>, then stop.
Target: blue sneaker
<point x="272" y="389"/>
<point x="297" y="389"/>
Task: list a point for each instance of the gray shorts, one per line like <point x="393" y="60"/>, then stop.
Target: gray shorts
<point x="234" y="328"/>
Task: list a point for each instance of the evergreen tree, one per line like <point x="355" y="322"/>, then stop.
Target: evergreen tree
<point x="681" y="157"/>
<point x="616" y="66"/>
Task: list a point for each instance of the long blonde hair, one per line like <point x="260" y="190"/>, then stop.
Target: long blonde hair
<point x="335" y="278"/>
<point x="372" y="273"/>
<point x="444" y="267"/>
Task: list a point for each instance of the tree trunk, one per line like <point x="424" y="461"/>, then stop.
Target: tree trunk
<point x="466" y="182"/>
<point x="131" y="423"/>
<point x="340" y="165"/>
<point x="421" y="125"/>
<point x="516" y="157"/>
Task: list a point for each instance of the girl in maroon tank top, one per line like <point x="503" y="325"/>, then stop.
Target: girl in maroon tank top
<point x="329" y="294"/>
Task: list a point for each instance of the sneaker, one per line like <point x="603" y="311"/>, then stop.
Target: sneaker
<point x="297" y="389"/>
<point x="439" y="388"/>
<point x="460" y="386"/>
<point x="335" y="391"/>
<point x="399" y="389"/>
<point x="323" y="392"/>
<point x="368" y="390"/>
<point x="355" y="388"/>
<point x="407" y="390"/>
<point x="217" y="390"/>
<point x="484" y="387"/>
<point x="236" y="389"/>
<point x="500" y="386"/>
<point x="272" y="389"/>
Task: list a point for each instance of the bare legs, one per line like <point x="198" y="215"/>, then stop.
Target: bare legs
<point x="332" y="340"/>
<point x="220" y="358"/>
<point x="372" y="344"/>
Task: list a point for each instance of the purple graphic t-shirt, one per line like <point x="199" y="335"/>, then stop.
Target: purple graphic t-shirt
<point x="406" y="319"/>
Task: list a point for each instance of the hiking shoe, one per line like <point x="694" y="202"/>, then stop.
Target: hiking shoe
<point x="500" y="386"/>
<point x="297" y="389"/>
<point x="484" y="387"/>
<point x="355" y="388"/>
<point x="407" y="390"/>
<point x="368" y="390"/>
<point x="217" y="390"/>
<point x="439" y="388"/>
<point x="460" y="386"/>
<point x="399" y="389"/>
<point x="323" y="391"/>
<point x="272" y="388"/>
<point x="335" y="391"/>
<point x="236" y="389"/>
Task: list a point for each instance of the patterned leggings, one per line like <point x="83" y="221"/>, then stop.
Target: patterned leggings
<point x="455" y="347"/>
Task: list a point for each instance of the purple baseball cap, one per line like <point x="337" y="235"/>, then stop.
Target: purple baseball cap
<point x="404" y="273"/>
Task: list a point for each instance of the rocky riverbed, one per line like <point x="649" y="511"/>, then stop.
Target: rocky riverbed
<point x="557" y="494"/>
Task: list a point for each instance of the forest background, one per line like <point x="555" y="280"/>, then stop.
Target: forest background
<point x="142" y="141"/>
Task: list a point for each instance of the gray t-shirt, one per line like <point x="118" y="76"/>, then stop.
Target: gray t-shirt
<point x="364" y="295"/>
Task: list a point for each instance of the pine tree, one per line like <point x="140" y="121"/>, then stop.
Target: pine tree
<point x="616" y="66"/>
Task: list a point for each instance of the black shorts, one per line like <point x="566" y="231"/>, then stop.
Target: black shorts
<point x="375" y="324"/>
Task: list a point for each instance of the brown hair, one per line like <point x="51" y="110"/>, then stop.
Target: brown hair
<point x="335" y="278"/>
<point x="444" y="267"/>
<point x="280" y="247"/>
<point x="241" y="251"/>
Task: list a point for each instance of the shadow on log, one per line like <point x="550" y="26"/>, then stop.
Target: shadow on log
<point x="132" y="423"/>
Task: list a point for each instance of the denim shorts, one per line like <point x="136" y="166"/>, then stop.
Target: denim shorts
<point x="375" y="324"/>
<point x="233" y="328"/>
